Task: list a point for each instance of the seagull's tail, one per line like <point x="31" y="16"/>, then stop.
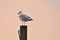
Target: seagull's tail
<point x="30" y="19"/>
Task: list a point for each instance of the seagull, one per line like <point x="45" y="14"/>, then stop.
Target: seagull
<point x="24" y="18"/>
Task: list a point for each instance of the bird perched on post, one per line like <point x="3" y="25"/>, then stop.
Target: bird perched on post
<point x="24" y="18"/>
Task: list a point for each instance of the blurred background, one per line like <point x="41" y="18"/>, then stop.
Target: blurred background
<point x="46" y="15"/>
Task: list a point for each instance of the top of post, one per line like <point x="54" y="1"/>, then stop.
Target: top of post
<point x="23" y="26"/>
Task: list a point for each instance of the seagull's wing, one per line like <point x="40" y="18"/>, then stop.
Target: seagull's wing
<point x="25" y="17"/>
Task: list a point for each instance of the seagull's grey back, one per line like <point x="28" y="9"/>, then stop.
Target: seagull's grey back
<point x="24" y="18"/>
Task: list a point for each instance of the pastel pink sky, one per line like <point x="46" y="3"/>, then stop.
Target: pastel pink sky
<point x="46" y="15"/>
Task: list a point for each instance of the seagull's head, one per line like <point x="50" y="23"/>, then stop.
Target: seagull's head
<point x="19" y="12"/>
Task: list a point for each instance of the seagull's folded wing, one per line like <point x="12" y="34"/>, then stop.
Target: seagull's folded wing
<point x="25" y="17"/>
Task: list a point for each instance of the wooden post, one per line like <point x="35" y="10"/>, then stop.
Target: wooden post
<point x="22" y="32"/>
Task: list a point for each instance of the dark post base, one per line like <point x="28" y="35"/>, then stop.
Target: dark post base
<point x="23" y="32"/>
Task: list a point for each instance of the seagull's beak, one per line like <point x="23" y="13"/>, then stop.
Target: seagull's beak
<point x="18" y="13"/>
